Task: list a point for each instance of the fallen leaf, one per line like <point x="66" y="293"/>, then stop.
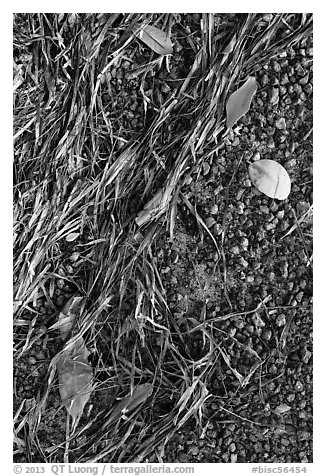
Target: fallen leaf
<point x="270" y="178"/>
<point x="229" y="47"/>
<point x="72" y="236"/>
<point x="131" y="401"/>
<point x="156" y="39"/>
<point x="283" y="408"/>
<point x="239" y="102"/>
<point x="75" y="378"/>
<point x="150" y="208"/>
<point x="68" y="315"/>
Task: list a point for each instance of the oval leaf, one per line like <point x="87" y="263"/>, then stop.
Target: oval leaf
<point x="75" y="379"/>
<point x="72" y="236"/>
<point x="239" y="102"/>
<point x="68" y="315"/>
<point x="283" y="408"/>
<point x="131" y="401"/>
<point x="270" y="178"/>
<point x="156" y="39"/>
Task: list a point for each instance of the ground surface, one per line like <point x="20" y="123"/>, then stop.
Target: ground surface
<point x="233" y="320"/>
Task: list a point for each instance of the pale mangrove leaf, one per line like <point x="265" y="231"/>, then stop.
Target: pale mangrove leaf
<point x="75" y="378"/>
<point x="156" y="39"/>
<point x="239" y="102"/>
<point x="270" y="178"/>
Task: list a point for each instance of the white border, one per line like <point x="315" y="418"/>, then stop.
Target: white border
<point x="319" y="196"/>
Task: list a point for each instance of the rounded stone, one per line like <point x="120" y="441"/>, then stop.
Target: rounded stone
<point x="281" y="320"/>
<point x="280" y="123"/>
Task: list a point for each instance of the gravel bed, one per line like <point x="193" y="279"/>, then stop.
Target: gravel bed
<point x="271" y="420"/>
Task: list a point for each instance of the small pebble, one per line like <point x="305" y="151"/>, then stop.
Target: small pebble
<point x="281" y="320"/>
<point x="214" y="210"/>
<point x="308" y="88"/>
<point x="282" y="90"/>
<point x="74" y="257"/>
<point x="274" y="96"/>
<point x="299" y="386"/>
<point x="284" y="79"/>
<point x="307" y="356"/>
<point x="40" y="355"/>
<point x="290" y="89"/>
<point x="264" y="209"/>
<point x="274" y="81"/>
<point x="304" y="80"/>
<point x="276" y="67"/>
<point x="270" y="130"/>
<point x="60" y="283"/>
<point x="236" y="141"/>
<point x="299" y="296"/>
<point x="280" y="123"/>
<point x="243" y="262"/>
<point x="217" y="229"/>
<point x="256" y="156"/>
<point x="235" y="250"/>
<point x="193" y="450"/>
<point x="285" y="442"/>
<point x="267" y="334"/>
<point x="303" y="435"/>
<point x="206" y="168"/>
<point x="300" y="70"/>
<point x="256" y="319"/>
<point x="232" y="447"/>
<point x="302" y="207"/>
<point x="244" y="243"/>
<point x="240" y="193"/>
<point x="269" y="226"/>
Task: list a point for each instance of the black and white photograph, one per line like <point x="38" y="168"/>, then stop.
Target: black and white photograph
<point x="163" y="240"/>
